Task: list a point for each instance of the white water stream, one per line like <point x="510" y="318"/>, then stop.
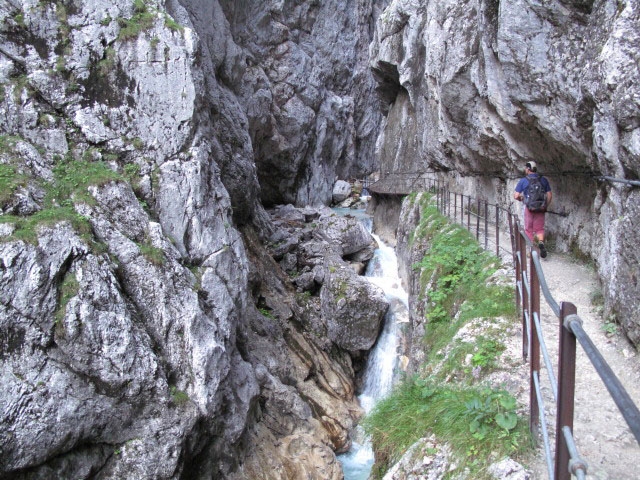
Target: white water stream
<point x="379" y="372"/>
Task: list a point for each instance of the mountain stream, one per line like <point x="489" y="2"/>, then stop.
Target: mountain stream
<point x="381" y="365"/>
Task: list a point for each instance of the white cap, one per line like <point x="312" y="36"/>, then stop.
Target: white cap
<point x="531" y="165"/>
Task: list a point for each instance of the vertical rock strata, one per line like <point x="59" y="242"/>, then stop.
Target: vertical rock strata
<point x="307" y="90"/>
<point x="477" y="88"/>
<point x="134" y="137"/>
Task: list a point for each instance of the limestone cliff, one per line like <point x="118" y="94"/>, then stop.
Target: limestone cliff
<point x="477" y="88"/>
<point x="133" y="145"/>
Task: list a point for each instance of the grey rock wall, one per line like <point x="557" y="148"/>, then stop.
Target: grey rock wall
<point x="477" y="88"/>
<point x="130" y="341"/>
<point x="307" y="92"/>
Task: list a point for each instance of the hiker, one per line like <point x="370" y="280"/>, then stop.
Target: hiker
<point x="534" y="190"/>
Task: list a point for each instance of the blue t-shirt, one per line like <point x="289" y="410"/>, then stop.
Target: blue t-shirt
<point x="523" y="184"/>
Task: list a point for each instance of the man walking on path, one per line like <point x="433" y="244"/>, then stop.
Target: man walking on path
<point x="534" y="190"/>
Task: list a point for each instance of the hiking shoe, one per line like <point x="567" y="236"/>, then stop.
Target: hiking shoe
<point x="543" y="251"/>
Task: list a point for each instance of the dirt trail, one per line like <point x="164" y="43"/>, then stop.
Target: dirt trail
<point x="602" y="436"/>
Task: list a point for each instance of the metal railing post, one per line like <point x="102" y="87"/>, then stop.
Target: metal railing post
<point x="469" y="215"/>
<point x="486" y="225"/>
<point x="566" y="390"/>
<point x="516" y="262"/>
<point x="448" y="203"/>
<point x="478" y="220"/>
<point x="525" y="297"/>
<point x="455" y="206"/>
<point x="534" y="353"/>
<point x="497" y="231"/>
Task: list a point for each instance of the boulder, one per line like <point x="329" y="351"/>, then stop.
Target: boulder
<point x="284" y="246"/>
<point x="305" y="281"/>
<point x="346" y="231"/>
<point x="341" y="190"/>
<point x="288" y="213"/>
<point x="352" y="307"/>
<point x="289" y="262"/>
<point x="348" y="203"/>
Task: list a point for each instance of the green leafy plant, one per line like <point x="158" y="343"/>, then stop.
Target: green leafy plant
<point x="488" y="350"/>
<point x="609" y="327"/>
<point x="490" y="408"/>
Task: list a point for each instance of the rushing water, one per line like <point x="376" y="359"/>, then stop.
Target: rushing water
<point x="378" y="376"/>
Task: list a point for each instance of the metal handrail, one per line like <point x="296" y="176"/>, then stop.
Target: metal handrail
<point x="543" y="284"/>
<point x="635" y="183"/>
<point x="619" y="394"/>
<point x="545" y="431"/>
<point x="567" y="459"/>
<point x="546" y="356"/>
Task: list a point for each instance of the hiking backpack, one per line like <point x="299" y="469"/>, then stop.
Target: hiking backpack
<point x="536" y="197"/>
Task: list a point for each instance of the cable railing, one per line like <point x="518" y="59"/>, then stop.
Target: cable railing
<point x="530" y="283"/>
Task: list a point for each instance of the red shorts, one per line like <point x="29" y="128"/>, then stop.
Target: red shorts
<point x="533" y="223"/>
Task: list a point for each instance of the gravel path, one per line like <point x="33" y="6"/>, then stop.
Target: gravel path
<point x="603" y="437"/>
<point x="601" y="433"/>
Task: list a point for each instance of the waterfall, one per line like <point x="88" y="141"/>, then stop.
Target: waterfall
<point x="378" y="375"/>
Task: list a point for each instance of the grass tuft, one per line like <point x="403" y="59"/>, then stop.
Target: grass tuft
<point x="10" y="181"/>
<point x="172" y="25"/>
<point x="142" y="20"/>
<point x="69" y="288"/>
<point x="473" y="420"/>
<point x="153" y="254"/>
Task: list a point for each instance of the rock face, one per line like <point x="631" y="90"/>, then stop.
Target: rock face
<point x="476" y="89"/>
<point x="142" y="335"/>
<point x="304" y="82"/>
